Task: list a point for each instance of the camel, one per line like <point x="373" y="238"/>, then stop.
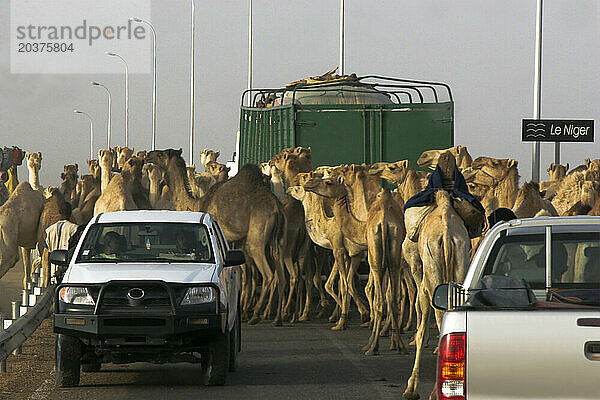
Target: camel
<point x="589" y="195"/>
<point x="19" y="226"/>
<point x="438" y="255"/>
<point x="199" y="183"/>
<point x="134" y="166"/>
<point x="429" y="158"/>
<point x="529" y="202"/>
<point x="118" y="194"/>
<point x="157" y="179"/>
<point x="557" y="172"/>
<point x="570" y="189"/>
<point x="324" y="231"/>
<point x="207" y="156"/>
<point x="69" y="177"/>
<point x="105" y="160"/>
<point x="34" y="164"/>
<point x="381" y="234"/>
<point x="123" y="154"/>
<point x="401" y="173"/>
<point x="246" y="210"/>
<point x="494" y="181"/>
<point x="219" y="171"/>
<point x="55" y="209"/>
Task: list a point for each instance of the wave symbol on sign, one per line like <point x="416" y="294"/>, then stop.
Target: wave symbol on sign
<point x="533" y="128"/>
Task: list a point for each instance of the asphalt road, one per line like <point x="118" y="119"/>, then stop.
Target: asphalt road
<point x="304" y="361"/>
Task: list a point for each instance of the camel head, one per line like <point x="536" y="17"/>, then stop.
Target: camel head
<point x="265" y="168"/>
<point x="377" y="168"/>
<point x="141" y="154"/>
<point x="495" y="168"/>
<point x="219" y="171"/>
<point x="207" y="156"/>
<point x="304" y="156"/>
<point x="447" y="164"/>
<point x="592" y="164"/>
<point x="50" y="191"/>
<point x="162" y="158"/>
<point x="154" y="172"/>
<point x="123" y="154"/>
<point x="134" y="166"/>
<point x="589" y="192"/>
<point x="294" y="163"/>
<point x="296" y="192"/>
<point x="332" y="187"/>
<point x="105" y="159"/>
<point x="395" y="173"/>
<point x="278" y="161"/>
<point x="557" y="171"/>
<point x="70" y="173"/>
<point x="34" y="161"/>
<point x="430" y="158"/>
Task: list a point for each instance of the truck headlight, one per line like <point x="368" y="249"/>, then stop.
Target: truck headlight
<point x="199" y="295"/>
<point x="75" y="295"/>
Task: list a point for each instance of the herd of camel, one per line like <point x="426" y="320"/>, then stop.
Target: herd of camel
<point x="291" y="219"/>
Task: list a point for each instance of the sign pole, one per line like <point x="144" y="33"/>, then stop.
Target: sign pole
<point x="537" y="93"/>
<point x="341" y="37"/>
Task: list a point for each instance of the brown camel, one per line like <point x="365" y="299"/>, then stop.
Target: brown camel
<point x="134" y="167"/>
<point x="207" y="156"/>
<point x="118" y="195"/>
<point x="529" y="202"/>
<point x="219" y="171"/>
<point x="589" y="195"/>
<point x="246" y="210"/>
<point x="68" y="186"/>
<point x="199" y="183"/>
<point x="156" y="177"/>
<point x="570" y="189"/>
<point x="494" y="181"/>
<point x="19" y="226"/>
<point x="429" y="158"/>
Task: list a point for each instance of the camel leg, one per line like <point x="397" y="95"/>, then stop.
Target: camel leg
<point x="26" y="256"/>
<point x="245" y="296"/>
<point x="293" y="272"/>
<point x="385" y="330"/>
<point x="268" y="313"/>
<point x="306" y="264"/>
<point x="369" y="294"/>
<point x="319" y="261"/>
<point x="411" y="297"/>
<point x="362" y="308"/>
<point x="372" y="347"/>
<point x="45" y="268"/>
<point x="413" y="382"/>
<point x="260" y="260"/>
<point x="340" y="259"/>
<point x="329" y="285"/>
<point x="394" y="283"/>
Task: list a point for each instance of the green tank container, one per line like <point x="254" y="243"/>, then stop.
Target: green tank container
<point x="351" y="120"/>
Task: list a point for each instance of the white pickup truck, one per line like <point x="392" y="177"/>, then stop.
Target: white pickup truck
<point x="525" y="324"/>
<point x="150" y="286"/>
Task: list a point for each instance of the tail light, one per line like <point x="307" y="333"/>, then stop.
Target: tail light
<point x="452" y="363"/>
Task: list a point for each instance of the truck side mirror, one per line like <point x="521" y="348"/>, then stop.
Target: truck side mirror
<point x="59" y="257"/>
<point x="234" y="257"/>
<point x="440" y="297"/>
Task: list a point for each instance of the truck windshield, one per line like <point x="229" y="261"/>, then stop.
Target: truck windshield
<point x="575" y="259"/>
<point x="146" y="242"/>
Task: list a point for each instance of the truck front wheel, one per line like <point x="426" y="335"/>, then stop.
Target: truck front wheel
<point x="68" y="360"/>
<point x="215" y="361"/>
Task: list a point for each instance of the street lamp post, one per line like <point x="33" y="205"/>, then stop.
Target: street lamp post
<point x="155" y="68"/>
<point x="109" y="128"/>
<point x="192" y="82"/>
<point x="91" y="132"/>
<point x="108" y="53"/>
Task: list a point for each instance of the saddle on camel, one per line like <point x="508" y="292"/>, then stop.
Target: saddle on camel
<point x="446" y="176"/>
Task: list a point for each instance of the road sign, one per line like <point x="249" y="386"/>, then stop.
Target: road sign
<point x="557" y="130"/>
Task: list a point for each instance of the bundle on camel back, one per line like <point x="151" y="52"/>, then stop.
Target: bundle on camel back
<point x="439" y="221"/>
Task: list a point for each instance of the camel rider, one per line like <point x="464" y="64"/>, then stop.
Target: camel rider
<point x="10" y="158"/>
<point x="446" y="177"/>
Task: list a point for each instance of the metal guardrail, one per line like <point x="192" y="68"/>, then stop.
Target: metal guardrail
<point x="27" y="317"/>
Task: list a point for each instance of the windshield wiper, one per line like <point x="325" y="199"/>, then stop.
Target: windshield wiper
<point x="153" y="259"/>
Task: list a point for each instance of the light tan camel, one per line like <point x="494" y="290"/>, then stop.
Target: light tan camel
<point x="199" y="183"/>
<point x="529" y="202"/>
<point x="401" y="173"/>
<point x="570" y="189"/>
<point x="381" y="234"/>
<point x="123" y="154"/>
<point x="19" y="226"/>
<point x="494" y="181"/>
<point x="429" y="158"/>
<point x="34" y="164"/>
<point x="118" y="195"/>
<point x="219" y="171"/>
<point x="589" y="195"/>
<point x="105" y="160"/>
<point x="246" y="210"/>
<point x="207" y="156"/>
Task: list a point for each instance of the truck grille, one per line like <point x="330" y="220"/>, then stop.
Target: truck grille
<point x="115" y="297"/>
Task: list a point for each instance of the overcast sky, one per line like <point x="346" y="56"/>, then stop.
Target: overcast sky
<point x="483" y="49"/>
